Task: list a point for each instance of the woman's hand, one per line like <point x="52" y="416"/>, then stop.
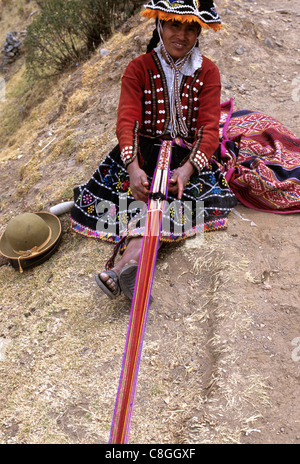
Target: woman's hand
<point x="139" y="184"/>
<point x="180" y="178"/>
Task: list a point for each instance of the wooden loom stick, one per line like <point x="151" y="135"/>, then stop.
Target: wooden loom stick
<point x="139" y="309"/>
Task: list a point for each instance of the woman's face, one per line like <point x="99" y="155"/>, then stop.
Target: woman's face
<point x="179" y="37"/>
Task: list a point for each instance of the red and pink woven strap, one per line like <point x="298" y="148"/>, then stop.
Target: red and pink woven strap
<point x="139" y="309"/>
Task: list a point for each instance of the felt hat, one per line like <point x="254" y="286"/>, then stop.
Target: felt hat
<point x="201" y="11"/>
<point x="29" y="237"/>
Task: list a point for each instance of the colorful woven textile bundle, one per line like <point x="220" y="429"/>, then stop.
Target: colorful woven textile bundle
<point x="261" y="159"/>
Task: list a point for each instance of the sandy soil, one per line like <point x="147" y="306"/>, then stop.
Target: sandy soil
<point x="221" y="357"/>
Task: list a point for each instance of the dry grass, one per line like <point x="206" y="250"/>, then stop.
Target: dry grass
<point x="66" y="345"/>
<point x="59" y="330"/>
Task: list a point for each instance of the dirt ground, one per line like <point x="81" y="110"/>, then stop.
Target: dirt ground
<point x="221" y="356"/>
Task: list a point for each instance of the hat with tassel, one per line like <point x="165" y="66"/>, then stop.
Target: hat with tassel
<point x="201" y="11"/>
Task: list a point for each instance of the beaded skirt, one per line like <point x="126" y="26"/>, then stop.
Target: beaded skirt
<point x="105" y="208"/>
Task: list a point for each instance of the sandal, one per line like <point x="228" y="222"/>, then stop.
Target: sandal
<point x="112" y="294"/>
<point x="127" y="278"/>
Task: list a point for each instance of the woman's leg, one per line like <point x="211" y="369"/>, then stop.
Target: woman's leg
<point x="131" y="254"/>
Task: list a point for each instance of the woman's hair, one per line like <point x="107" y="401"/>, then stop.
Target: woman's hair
<point x="155" y="38"/>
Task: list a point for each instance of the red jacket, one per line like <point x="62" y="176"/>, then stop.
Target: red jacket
<point x="144" y="107"/>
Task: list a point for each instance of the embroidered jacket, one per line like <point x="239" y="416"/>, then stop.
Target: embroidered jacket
<point x="144" y="107"/>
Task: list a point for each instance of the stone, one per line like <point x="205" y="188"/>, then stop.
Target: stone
<point x="269" y="42"/>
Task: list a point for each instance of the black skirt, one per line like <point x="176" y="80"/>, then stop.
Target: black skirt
<point x="105" y="208"/>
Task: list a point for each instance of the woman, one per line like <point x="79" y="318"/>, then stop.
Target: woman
<point x="172" y="92"/>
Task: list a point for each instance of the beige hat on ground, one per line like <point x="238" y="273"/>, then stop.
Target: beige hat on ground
<point x="30" y="235"/>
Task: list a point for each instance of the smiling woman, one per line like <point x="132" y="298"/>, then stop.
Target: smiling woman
<point x="179" y="38"/>
<point x="169" y="96"/>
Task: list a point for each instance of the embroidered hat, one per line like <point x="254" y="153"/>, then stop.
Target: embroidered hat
<point x="30" y="236"/>
<point x="201" y="11"/>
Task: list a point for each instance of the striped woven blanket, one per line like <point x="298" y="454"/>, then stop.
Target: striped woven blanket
<point x="261" y="160"/>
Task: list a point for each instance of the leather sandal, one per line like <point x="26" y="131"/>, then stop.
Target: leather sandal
<point x="112" y="294"/>
<point x="127" y="278"/>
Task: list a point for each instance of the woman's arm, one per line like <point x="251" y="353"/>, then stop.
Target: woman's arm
<point x="130" y="110"/>
<point x="207" y="135"/>
<point x="128" y="125"/>
<point x="180" y="179"/>
<point x="139" y="184"/>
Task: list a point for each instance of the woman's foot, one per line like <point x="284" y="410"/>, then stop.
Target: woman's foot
<point x="108" y="281"/>
<point x="112" y="282"/>
<point x="123" y="275"/>
<point x="127" y="278"/>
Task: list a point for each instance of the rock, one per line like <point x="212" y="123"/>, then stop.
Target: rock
<point x="240" y="51"/>
<point x="269" y="42"/>
<point x="12" y="46"/>
<point x="104" y="52"/>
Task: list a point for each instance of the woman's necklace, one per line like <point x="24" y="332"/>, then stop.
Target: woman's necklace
<point x="178" y="125"/>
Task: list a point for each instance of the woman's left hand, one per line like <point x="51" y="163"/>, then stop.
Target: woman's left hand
<point x="180" y="178"/>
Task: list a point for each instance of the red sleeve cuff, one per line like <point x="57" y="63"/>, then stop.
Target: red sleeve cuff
<point x="199" y="160"/>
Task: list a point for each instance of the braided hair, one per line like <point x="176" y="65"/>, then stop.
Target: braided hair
<point x="154" y="40"/>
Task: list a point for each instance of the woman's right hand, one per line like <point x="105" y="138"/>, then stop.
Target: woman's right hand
<point x="139" y="184"/>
